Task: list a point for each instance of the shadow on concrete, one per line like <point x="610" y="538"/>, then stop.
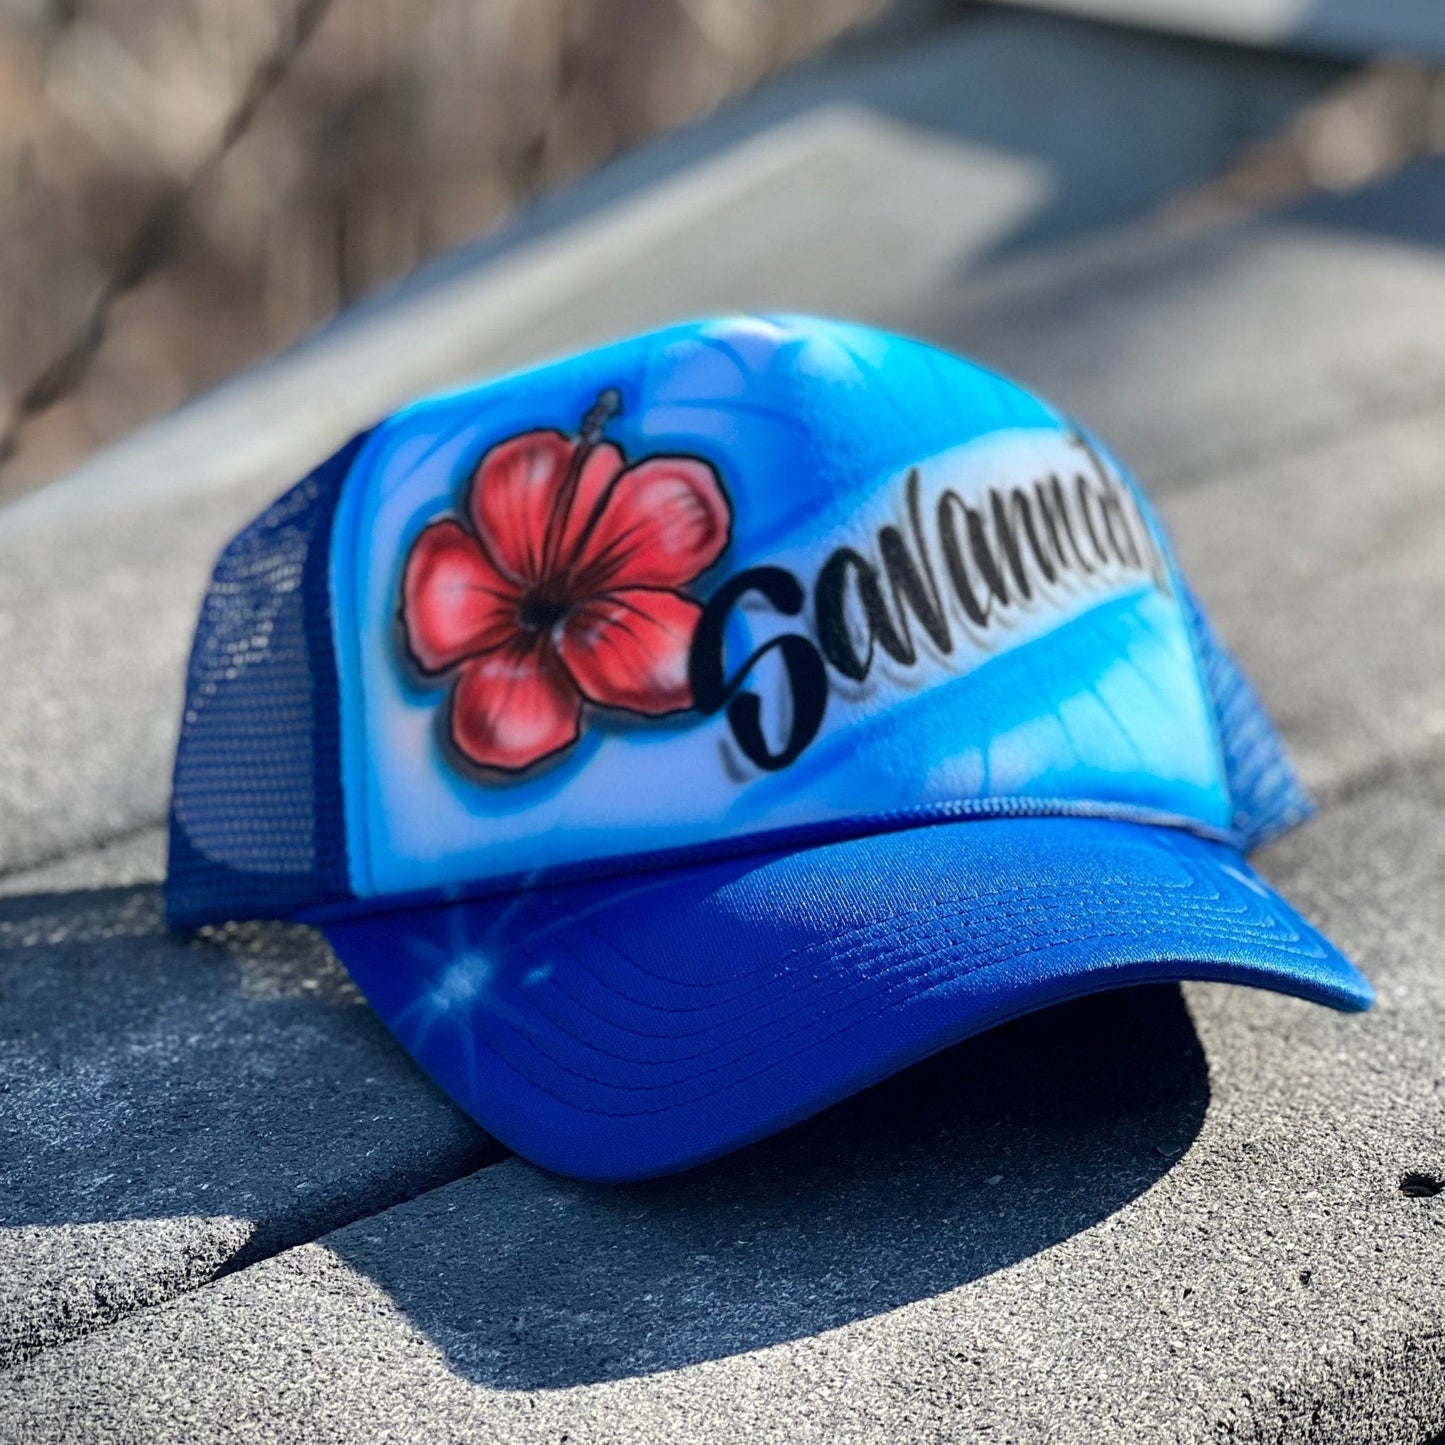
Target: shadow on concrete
<point x="970" y="1162"/>
<point x="147" y="1076"/>
<point x="149" y="1079"/>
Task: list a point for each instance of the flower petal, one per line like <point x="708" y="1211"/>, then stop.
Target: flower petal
<point x="454" y="602"/>
<point x="515" y="706"/>
<point x="518" y="504"/>
<point x="662" y="522"/>
<point x="629" y="649"/>
<point x="601" y="468"/>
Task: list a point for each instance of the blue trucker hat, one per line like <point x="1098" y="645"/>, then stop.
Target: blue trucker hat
<point x="677" y="738"/>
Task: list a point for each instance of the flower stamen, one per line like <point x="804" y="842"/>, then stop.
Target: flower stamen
<point x="607" y="405"/>
<point x="540" y="613"/>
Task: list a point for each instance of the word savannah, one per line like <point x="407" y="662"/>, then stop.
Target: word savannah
<point x="953" y="565"/>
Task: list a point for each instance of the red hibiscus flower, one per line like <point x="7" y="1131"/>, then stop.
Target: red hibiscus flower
<point x="559" y="587"/>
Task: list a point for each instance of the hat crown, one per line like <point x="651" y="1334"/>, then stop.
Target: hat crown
<point x="735" y="581"/>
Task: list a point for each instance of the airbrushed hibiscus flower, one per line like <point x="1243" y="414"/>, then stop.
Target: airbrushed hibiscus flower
<point x="559" y="586"/>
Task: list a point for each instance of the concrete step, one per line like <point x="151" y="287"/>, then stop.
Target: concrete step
<point x="1135" y="1218"/>
<point x="1264" y="337"/>
<point x="1268" y="334"/>
<point x="1165" y="1178"/>
<point x="1322" y="554"/>
<point x="173" y="1108"/>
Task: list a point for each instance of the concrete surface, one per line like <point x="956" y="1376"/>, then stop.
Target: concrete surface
<point x="1148" y="1216"/>
<point x="1166" y="1178"/>
<point x="172" y="1108"/>
<point x="1347" y="27"/>
<point x="1264" y="336"/>
<point x="1133" y="1219"/>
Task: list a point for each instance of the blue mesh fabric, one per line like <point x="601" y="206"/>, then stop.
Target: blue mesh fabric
<point x="1268" y="796"/>
<point x="256" y="825"/>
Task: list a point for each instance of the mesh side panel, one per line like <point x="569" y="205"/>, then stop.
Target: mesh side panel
<point x="1267" y="794"/>
<point x="256" y="827"/>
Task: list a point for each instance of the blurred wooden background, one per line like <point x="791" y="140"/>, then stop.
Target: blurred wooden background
<point x="186" y="185"/>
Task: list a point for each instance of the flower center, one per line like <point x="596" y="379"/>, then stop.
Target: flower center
<point x="541" y="613"/>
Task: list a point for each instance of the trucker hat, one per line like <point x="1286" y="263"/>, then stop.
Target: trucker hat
<point x="677" y="738"/>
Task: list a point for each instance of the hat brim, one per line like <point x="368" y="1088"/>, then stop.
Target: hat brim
<point x="620" y="1029"/>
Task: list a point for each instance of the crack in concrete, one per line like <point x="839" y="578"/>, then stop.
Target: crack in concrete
<point x="263" y="1244"/>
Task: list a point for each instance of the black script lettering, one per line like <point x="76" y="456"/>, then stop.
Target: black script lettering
<point x="1127" y="528"/>
<point x="712" y="689"/>
<point x="979" y="546"/>
<point x="976" y="611"/>
<point x="1084" y="493"/>
<point x="830" y="611"/>
<point x="1054" y="509"/>
<point x="1116" y="525"/>
<point x="1010" y="517"/>
<point x="1008" y="551"/>
<point x="913" y="583"/>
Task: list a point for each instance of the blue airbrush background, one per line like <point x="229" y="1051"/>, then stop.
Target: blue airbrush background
<point x="811" y="426"/>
